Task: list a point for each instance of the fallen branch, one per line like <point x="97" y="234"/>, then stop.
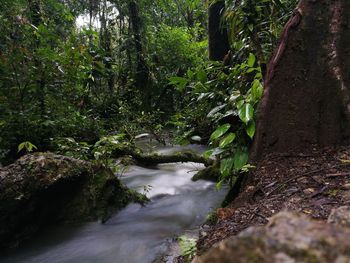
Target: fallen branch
<point x="154" y="159"/>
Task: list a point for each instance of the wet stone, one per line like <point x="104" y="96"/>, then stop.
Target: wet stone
<point x="340" y="216"/>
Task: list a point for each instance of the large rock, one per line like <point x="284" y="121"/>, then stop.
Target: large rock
<point x="340" y="216"/>
<point x="44" y="189"/>
<point x="288" y="238"/>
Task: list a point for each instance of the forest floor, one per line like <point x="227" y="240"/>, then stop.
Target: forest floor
<point x="312" y="184"/>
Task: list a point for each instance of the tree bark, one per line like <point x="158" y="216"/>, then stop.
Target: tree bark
<point x="143" y="81"/>
<point x="218" y="37"/>
<point x="306" y="97"/>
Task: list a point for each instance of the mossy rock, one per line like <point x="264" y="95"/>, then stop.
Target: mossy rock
<point x="288" y="237"/>
<point x="210" y="173"/>
<point x="44" y="189"/>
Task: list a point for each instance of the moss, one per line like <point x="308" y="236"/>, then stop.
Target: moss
<point x="210" y="173"/>
<point x="46" y="189"/>
<point x="332" y="192"/>
<point x="212" y="218"/>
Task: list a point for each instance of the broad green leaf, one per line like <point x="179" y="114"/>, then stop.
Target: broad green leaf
<point x="257" y="90"/>
<point x="246" y="112"/>
<point x="251" y="60"/>
<point x="220" y="131"/>
<point x="250" y="129"/>
<point x="179" y="82"/>
<point x="240" y="159"/>
<point x="227" y="140"/>
<point x="251" y="70"/>
<point x="239" y="103"/>
<point x="28" y="146"/>
<point x="21" y="146"/>
<point x="226" y="166"/>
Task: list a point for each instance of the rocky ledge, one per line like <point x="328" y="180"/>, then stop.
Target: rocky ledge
<point x="43" y="189"/>
<point x="288" y="238"/>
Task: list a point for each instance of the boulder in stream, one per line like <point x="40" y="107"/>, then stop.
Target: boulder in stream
<point x="287" y="238"/>
<point x="44" y="189"/>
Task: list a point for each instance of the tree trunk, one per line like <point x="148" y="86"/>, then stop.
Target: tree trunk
<point x="143" y="82"/>
<point x="306" y="97"/>
<point x="218" y="38"/>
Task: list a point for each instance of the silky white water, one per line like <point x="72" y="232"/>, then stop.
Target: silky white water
<point x="136" y="234"/>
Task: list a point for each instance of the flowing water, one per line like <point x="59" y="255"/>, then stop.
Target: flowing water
<point x="136" y="234"/>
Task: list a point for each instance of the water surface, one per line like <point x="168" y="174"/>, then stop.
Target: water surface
<point x="136" y="234"/>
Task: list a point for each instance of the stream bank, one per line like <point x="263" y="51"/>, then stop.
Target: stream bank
<point x="139" y="234"/>
<point x="43" y="189"/>
<point x="311" y="184"/>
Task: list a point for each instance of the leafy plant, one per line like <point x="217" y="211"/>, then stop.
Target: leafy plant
<point x="188" y="247"/>
<point x="70" y="147"/>
<point x="103" y="149"/>
<point x="254" y="26"/>
<point x="232" y="95"/>
<point x="27" y="146"/>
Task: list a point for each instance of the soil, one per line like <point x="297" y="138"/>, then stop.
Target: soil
<point x="313" y="184"/>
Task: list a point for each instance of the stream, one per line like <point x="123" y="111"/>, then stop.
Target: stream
<point x="136" y="234"/>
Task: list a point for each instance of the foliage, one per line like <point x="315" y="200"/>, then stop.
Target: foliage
<point x="68" y="75"/>
<point x="61" y="80"/>
<point x="188" y="247"/>
<point x="27" y="146"/>
<point x="231" y="95"/>
<point x="256" y="25"/>
<point x="101" y="152"/>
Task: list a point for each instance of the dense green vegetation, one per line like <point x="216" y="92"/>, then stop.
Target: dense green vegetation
<point x="75" y="75"/>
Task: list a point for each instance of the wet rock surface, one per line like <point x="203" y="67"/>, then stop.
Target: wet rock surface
<point x="311" y="184"/>
<point x="314" y="185"/>
<point x="44" y="189"/>
<point x="340" y="216"/>
<point x="287" y="238"/>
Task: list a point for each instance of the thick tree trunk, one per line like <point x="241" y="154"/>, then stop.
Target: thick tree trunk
<point x="218" y="38"/>
<point x="306" y="97"/>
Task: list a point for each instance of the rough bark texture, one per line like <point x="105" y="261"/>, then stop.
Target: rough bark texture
<point x="305" y="102"/>
<point x="44" y="189"/>
<point x="218" y="38"/>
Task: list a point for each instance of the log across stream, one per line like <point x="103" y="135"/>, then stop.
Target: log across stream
<point x="136" y="234"/>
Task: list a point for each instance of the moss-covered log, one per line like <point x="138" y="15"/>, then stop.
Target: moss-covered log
<point x="44" y="189"/>
<point x="154" y="159"/>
